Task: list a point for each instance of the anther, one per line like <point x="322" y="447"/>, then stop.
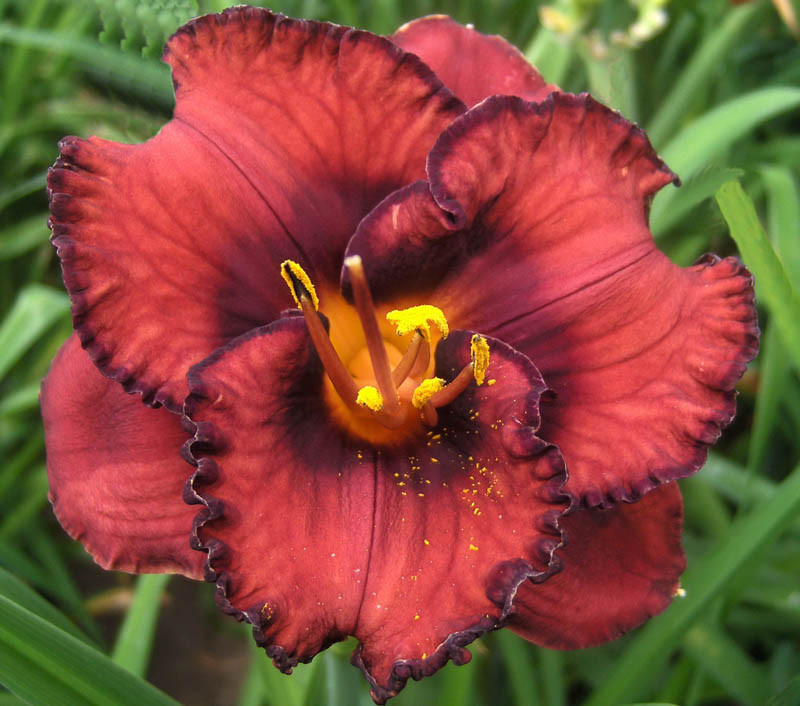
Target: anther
<point x="306" y="298"/>
<point x="475" y="369"/>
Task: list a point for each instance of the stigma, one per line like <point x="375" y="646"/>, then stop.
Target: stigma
<point x="388" y="393"/>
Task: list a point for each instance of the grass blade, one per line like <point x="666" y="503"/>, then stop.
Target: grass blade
<point x="773" y="285"/>
<point x="699" y="71"/>
<point x="706" y="138"/>
<point x="146" y="79"/>
<point x="43" y="664"/>
<point x="14" y="589"/>
<point x="135" y="639"/>
<point x="36" y="309"/>
<point x="724" y="660"/>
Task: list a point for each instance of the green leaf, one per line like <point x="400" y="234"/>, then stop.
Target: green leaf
<point x="145" y="78"/>
<point x="790" y="696"/>
<point x="23" y="399"/>
<point x="710" y="135"/>
<point x="704" y="582"/>
<point x="135" y="638"/>
<point x="700" y="187"/>
<point x="783" y="202"/>
<point x="697" y="74"/>
<point x="732" y="669"/>
<point x="45" y="665"/>
<point x="15" y="590"/>
<point x="36" y="309"/>
<point x="774" y="287"/>
<point x="520" y="663"/>
<point x="23" y="237"/>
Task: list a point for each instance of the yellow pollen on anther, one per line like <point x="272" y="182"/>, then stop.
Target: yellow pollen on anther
<point x="480" y="357"/>
<point x="369" y="397"/>
<point x="293" y="274"/>
<point x="425" y="390"/>
<point x="418" y="318"/>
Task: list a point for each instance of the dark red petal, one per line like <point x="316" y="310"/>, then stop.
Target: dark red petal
<point x="461" y="520"/>
<point x="539" y="237"/>
<point x="285" y="134"/>
<point x="116" y="475"/>
<point x="472" y="65"/>
<point x="415" y="548"/>
<point x="621" y="567"/>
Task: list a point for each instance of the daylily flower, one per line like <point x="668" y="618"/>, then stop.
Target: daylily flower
<point x="490" y="374"/>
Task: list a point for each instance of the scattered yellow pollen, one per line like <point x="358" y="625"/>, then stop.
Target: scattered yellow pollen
<point x="413" y="578"/>
<point x="422" y="495"/>
<point x="434" y="460"/>
<point x="680" y="592"/>
<point x="480" y="357"/>
<point x="418" y="318"/>
<point x="416" y="617"/>
<point x="436" y="436"/>
<point x="424" y="655"/>
<point x="473" y="547"/>
<point x="291" y="271"/>
<point x="427" y="543"/>
<point x="491" y="382"/>
<point x="425" y="390"/>
<point x="368" y="396"/>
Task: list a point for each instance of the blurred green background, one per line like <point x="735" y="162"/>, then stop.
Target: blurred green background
<point x="717" y="87"/>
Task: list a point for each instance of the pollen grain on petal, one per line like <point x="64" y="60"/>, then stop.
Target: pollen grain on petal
<point x="425" y="390"/>
<point x="480" y="357"/>
<point x="369" y="397"/>
<point x="299" y="282"/>
<point x="418" y="318"/>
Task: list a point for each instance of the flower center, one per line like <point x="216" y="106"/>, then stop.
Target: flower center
<point x="379" y="383"/>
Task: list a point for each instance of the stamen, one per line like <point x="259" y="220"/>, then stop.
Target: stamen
<point x="299" y="282"/>
<point x="370" y="398"/>
<point x="418" y="318"/>
<point x="452" y="390"/>
<point x="423" y="361"/>
<point x="403" y="368"/>
<point x="480" y="357"/>
<point x="425" y="390"/>
<point x="476" y="368"/>
<point x="430" y="415"/>
<point x="306" y="298"/>
<point x="374" y="340"/>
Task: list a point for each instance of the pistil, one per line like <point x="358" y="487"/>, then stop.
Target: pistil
<point x="369" y="322"/>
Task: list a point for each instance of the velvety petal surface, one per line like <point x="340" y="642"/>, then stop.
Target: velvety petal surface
<point x="532" y="227"/>
<point x="414" y="546"/>
<point x="621" y="567"/>
<point x="116" y="475"/>
<point x="285" y="134"/>
<point x="471" y="64"/>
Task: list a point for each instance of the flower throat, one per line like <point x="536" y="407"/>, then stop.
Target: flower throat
<point x="399" y="388"/>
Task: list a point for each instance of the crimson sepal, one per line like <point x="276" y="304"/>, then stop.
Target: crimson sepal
<point x="621" y="566"/>
<point x="471" y="64"/>
<point x="116" y="475"/>
<point x="285" y="133"/>
<point x="416" y="547"/>
<point x="532" y="227"/>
